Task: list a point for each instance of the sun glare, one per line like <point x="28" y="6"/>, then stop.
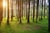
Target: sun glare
<point x="4" y="3"/>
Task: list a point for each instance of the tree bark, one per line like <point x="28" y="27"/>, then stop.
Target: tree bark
<point x="28" y="11"/>
<point x="22" y="7"/>
<point x="37" y="10"/>
<point x="19" y="9"/>
<point x="8" y="13"/>
<point x="12" y="10"/>
<point x="33" y="9"/>
<point x="49" y="18"/>
<point x="42" y="10"/>
<point x="44" y="7"/>
<point x="1" y="11"/>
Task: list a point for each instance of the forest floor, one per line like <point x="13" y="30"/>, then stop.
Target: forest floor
<point x="33" y="27"/>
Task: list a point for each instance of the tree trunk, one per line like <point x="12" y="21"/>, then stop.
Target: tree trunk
<point x="33" y="9"/>
<point x="22" y="7"/>
<point x="42" y="10"/>
<point x="44" y="7"/>
<point x="49" y="17"/>
<point x="37" y="10"/>
<point x="1" y="11"/>
<point x="19" y="9"/>
<point x="8" y="13"/>
<point x="12" y="10"/>
<point x="28" y="12"/>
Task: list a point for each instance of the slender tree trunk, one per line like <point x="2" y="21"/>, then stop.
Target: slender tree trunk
<point x="37" y="10"/>
<point x="44" y="7"/>
<point x="8" y="13"/>
<point x="12" y="10"/>
<point x="42" y="10"/>
<point x="1" y="11"/>
<point x="33" y="9"/>
<point x="28" y="11"/>
<point x="22" y="7"/>
<point x="49" y="17"/>
<point x="19" y="9"/>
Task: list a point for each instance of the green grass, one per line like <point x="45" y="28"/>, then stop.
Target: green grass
<point x="33" y="27"/>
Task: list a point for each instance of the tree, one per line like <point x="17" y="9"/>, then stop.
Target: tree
<point x="42" y="10"/>
<point x="37" y="10"/>
<point x="1" y="11"/>
<point x="19" y="9"/>
<point x="44" y="7"/>
<point x="8" y="13"/>
<point x="33" y="9"/>
<point x="28" y="11"/>
<point x="12" y="10"/>
<point x="49" y="17"/>
<point x="17" y="12"/>
<point x="22" y="7"/>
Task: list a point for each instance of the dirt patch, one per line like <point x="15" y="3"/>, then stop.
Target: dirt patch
<point x="36" y="27"/>
<point x="26" y="27"/>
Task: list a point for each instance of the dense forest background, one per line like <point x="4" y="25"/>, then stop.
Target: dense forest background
<point x="24" y="16"/>
<point x="25" y="7"/>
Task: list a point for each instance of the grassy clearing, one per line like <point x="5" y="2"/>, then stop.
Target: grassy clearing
<point x="33" y="27"/>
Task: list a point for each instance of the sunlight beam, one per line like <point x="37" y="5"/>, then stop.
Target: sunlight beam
<point x="4" y="3"/>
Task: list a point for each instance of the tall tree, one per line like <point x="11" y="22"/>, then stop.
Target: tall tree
<point x="42" y="10"/>
<point x="12" y="10"/>
<point x="28" y="11"/>
<point x="19" y="9"/>
<point x="1" y="11"/>
<point x="22" y="7"/>
<point x="8" y="13"/>
<point x="37" y="10"/>
<point x="33" y="9"/>
<point x="49" y="17"/>
<point x="44" y="7"/>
